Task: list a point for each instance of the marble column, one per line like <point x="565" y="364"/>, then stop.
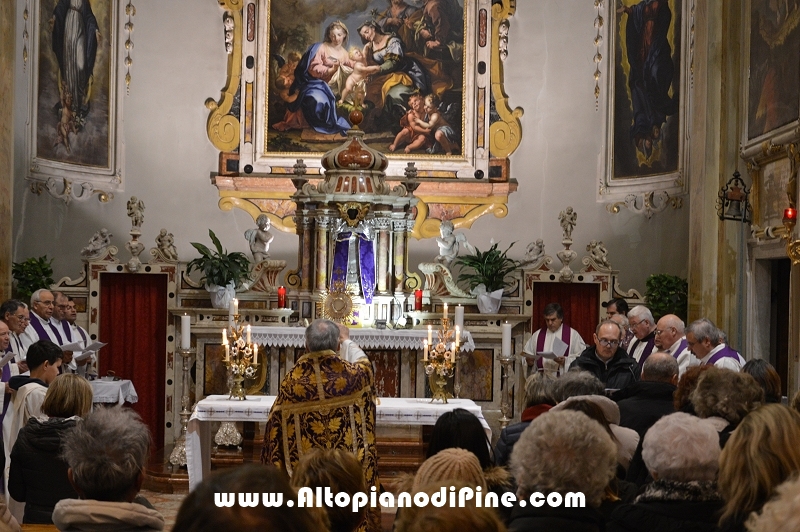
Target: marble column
<point x="399" y="228"/>
<point x="323" y="223"/>
<point x="306" y="264"/>
<point x="383" y="255"/>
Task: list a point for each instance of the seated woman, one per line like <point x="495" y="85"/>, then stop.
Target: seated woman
<point x="399" y="74"/>
<point x="38" y="474"/>
<point x="681" y="452"/>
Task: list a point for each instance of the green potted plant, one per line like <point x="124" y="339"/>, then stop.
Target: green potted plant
<point x="667" y="294"/>
<point x="31" y="275"/>
<point x="223" y="272"/>
<point x="489" y="269"/>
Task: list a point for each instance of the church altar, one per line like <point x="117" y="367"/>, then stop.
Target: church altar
<point x="365" y="338"/>
<point x="391" y="411"/>
<point x="113" y="391"/>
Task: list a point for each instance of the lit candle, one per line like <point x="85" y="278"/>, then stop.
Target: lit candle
<point x="249" y="341"/>
<point x="459" y="319"/>
<point x="235" y="307"/>
<point x="445" y="311"/>
<point x="458" y="335"/>
<point x="255" y="354"/>
<point x="224" y="337"/>
<point x="425" y="351"/>
<point x="418" y="299"/>
<point x="186" y="331"/>
<point x="227" y="352"/>
<point x="790" y="214"/>
<point x="506" y="345"/>
<point x="430" y="335"/>
<point x="281" y="297"/>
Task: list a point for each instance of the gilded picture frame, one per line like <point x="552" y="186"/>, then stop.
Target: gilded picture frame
<point x="645" y="122"/>
<point x="75" y="150"/>
<point x="269" y="47"/>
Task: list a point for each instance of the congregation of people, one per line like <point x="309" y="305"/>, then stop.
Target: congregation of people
<point x="660" y="427"/>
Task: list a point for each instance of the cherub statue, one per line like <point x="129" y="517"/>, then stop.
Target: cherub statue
<point x="534" y="251"/>
<point x="448" y="243"/>
<point x="568" y="220"/>
<point x="598" y="252"/>
<point x="136" y="212"/>
<point x="166" y="245"/>
<point x="260" y="238"/>
<point x="99" y="242"/>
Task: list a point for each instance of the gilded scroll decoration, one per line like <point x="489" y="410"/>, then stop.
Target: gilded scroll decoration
<point x="223" y="128"/>
<point x="505" y="134"/>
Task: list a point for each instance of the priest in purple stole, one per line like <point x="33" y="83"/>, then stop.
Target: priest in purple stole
<point x="41" y="328"/>
<point x="541" y="341"/>
<point x="705" y="342"/>
<point x="644" y="329"/>
<point x="670" y="337"/>
<point x="354" y="260"/>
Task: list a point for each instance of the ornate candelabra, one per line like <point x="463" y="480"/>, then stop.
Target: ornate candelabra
<point x="441" y="359"/>
<point x="241" y="357"/>
<point x="178" y="455"/>
<point x="507" y="363"/>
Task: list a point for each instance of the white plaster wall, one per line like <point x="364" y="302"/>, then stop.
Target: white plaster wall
<point x="179" y="61"/>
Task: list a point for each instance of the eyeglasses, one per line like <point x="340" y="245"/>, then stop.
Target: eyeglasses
<point x="608" y="343"/>
<point x="46" y="303"/>
<point x="634" y="325"/>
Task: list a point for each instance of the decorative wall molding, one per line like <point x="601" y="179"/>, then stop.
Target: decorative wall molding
<point x="66" y="190"/>
<point x="598" y="56"/>
<point x="647" y="204"/>
<point x="130" y="12"/>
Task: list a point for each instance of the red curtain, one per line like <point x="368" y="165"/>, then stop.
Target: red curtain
<point x="133" y="321"/>
<point x="580" y="301"/>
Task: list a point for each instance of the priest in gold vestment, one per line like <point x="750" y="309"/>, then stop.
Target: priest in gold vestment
<point x="326" y="401"/>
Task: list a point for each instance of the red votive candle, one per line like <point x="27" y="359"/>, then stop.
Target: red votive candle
<point x="281" y="297"/>
<point x="790" y="214"/>
<point x="418" y="299"/>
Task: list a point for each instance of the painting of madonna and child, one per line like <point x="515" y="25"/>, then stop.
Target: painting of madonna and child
<point x="400" y="61"/>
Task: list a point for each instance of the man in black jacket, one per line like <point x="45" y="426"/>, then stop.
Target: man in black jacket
<point x="607" y="360"/>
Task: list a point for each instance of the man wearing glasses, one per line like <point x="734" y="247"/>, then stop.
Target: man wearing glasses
<point x="15" y="315"/>
<point x="644" y="329"/>
<point x="41" y="327"/>
<point x="607" y="361"/>
<point x="669" y="337"/>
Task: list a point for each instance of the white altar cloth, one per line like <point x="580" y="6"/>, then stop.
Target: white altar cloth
<point x="364" y="338"/>
<point x="390" y="411"/>
<point x="111" y="391"/>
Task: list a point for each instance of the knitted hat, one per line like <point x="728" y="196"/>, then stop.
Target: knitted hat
<point x="450" y="465"/>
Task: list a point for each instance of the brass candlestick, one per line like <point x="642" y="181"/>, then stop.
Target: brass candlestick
<point x="241" y="357"/>
<point x="440" y="359"/>
<point x="178" y="455"/>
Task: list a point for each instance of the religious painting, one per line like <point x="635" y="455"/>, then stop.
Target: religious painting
<point x="646" y="101"/>
<point x="773" y="92"/>
<point x="407" y="65"/>
<point x="647" y="91"/>
<point x="74" y="109"/>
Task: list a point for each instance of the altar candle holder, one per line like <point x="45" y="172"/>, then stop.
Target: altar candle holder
<point x="241" y="357"/>
<point x="441" y="360"/>
<point x="178" y="455"/>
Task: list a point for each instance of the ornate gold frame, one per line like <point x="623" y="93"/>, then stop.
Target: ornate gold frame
<point x="461" y="200"/>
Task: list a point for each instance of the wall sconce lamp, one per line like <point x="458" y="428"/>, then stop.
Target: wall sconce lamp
<point x="792" y="246"/>
<point x="733" y="200"/>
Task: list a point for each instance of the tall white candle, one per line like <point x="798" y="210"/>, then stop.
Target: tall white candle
<point x="235" y="306"/>
<point x="249" y="341"/>
<point x="459" y="319"/>
<point x="224" y="337"/>
<point x="430" y="335"/>
<point x="186" y="331"/>
<point x="255" y="354"/>
<point x="425" y="352"/>
<point x="445" y="311"/>
<point x="506" y="345"/>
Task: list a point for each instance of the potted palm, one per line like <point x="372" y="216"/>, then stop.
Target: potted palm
<point x="486" y="274"/>
<point x="223" y="272"/>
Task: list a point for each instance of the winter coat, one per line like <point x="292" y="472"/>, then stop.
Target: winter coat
<point x="38" y="475"/>
<point x="643" y="403"/>
<point x="619" y="372"/>
<point x="510" y="435"/>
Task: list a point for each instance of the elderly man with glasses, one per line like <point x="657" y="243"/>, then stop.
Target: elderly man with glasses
<point x="643" y="325"/>
<point x="606" y="360"/>
<point x="42" y="326"/>
<point x="670" y="337"/>
<point x="15" y="315"/>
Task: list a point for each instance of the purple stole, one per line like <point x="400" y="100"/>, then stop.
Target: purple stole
<point x="67" y="332"/>
<point x="681" y="348"/>
<point x="366" y="263"/>
<point x="6" y="375"/>
<point x="726" y="352"/>
<point x="648" y="348"/>
<point x="37" y="326"/>
<point x="566" y="334"/>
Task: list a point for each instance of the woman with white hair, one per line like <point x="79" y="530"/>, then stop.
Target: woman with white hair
<point x="681" y="452"/>
<point x="562" y="452"/>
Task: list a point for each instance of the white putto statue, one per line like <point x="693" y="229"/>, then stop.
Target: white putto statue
<point x="449" y="242"/>
<point x="260" y="238"/>
<point x="534" y="251"/>
<point x="97" y="245"/>
<point x="568" y="220"/>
